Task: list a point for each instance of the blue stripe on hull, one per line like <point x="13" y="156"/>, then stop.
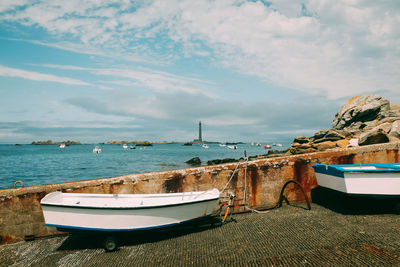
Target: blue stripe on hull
<point x="328" y="169"/>
<point x="338" y="170"/>
<point x="64" y="228"/>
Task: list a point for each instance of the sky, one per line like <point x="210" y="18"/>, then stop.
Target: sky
<point x="264" y="71"/>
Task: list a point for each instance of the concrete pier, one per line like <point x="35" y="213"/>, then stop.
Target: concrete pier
<point x="289" y="236"/>
<point x="21" y="215"/>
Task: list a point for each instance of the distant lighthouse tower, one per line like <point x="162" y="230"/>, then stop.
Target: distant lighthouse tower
<point x="200" y="138"/>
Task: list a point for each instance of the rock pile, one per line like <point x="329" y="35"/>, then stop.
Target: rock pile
<point x="363" y="120"/>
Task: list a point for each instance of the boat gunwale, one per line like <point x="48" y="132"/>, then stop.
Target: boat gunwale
<point x="339" y="170"/>
<point x="129" y="208"/>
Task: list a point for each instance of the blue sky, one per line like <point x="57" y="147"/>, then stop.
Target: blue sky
<point x="150" y="70"/>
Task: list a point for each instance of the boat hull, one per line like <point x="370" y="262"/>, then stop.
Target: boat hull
<point x="365" y="179"/>
<point x="124" y="218"/>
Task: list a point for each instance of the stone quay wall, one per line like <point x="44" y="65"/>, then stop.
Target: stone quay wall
<point x="21" y="215"/>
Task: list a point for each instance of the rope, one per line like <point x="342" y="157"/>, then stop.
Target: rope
<point x="282" y="197"/>
<point x="257" y="211"/>
<point x="230" y="178"/>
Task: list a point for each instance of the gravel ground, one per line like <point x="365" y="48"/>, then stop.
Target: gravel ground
<point x="288" y="236"/>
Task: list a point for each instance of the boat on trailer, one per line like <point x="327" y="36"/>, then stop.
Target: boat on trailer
<point x="72" y="212"/>
<point x="125" y="212"/>
<point x="360" y="179"/>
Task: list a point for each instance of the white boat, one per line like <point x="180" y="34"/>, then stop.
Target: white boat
<point x="277" y="144"/>
<point x="205" y="146"/>
<point x="232" y="147"/>
<point x="363" y="179"/>
<point x="62" y="145"/>
<point x="96" y="150"/>
<point x="221" y="145"/>
<point x="125" y="212"/>
<point x="125" y="146"/>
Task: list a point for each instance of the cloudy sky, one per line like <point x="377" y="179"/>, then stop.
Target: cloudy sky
<point x="150" y="70"/>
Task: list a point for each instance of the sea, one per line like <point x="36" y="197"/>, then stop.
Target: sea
<point x="49" y="164"/>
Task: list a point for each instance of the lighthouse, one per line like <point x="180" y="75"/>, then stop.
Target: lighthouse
<point x="200" y="138"/>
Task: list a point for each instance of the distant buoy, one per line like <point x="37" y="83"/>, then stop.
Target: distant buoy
<point x="19" y="182"/>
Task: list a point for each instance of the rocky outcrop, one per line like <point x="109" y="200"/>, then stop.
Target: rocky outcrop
<point x="375" y="136"/>
<point x="194" y="161"/>
<point x="360" y="109"/>
<point x="221" y="161"/>
<point x="363" y="120"/>
<point x="395" y="129"/>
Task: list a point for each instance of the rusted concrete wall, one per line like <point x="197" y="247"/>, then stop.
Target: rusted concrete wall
<point x="21" y="214"/>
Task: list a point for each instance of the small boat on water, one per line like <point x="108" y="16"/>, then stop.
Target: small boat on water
<point x="62" y="145"/>
<point x="232" y="146"/>
<point x="267" y="146"/>
<point x="221" y="145"/>
<point x="125" y="212"/>
<point x="97" y="150"/>
<point x="205" y="146"/>
<point x="277" y="144"/>
<point x="363" y="179"/>
<point x="125" y="146"/>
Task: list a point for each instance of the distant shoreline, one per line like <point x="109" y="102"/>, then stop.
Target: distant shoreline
<point x="49" y="142"/>
<point x="121" y="142"/>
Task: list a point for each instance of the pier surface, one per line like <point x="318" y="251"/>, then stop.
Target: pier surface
<point x="288" y="236"/>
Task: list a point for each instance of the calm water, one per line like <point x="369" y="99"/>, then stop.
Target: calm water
<point x="47" y="164"/>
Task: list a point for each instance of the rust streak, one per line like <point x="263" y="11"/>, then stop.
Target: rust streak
<point x="174" y="184"/>
<point x="347" y="159"/>
<point x="376" y="250"/>
<point x="300" y="176"/>
<point x="7" y="239"/>
<point x="396" y="155"/>
<point x="254" y="182"/>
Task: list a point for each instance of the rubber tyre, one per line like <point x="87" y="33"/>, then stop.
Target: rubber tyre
<point x="397" y="208"/>
<point x="110" y="244"/>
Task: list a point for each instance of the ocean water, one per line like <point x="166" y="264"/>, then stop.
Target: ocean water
<point x="48" y="164"/>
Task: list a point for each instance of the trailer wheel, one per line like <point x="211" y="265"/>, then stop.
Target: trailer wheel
<point x="397" y="208"/>
<point x="110" y="244"/>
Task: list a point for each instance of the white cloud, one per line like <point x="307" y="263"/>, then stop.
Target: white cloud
<point x="332" y="48"/>
<point x="80" y="124"/>
<point x="36" y="76"/>
<point x="6" y="5"/>
<point x="158" y="81"/>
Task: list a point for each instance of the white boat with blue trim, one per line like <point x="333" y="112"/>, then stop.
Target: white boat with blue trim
<point x="360" y="179"/>
<point x="125" y="212"/>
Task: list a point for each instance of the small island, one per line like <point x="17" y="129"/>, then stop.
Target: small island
<point x="50" y="142"/>
<point x="138" y="143"/>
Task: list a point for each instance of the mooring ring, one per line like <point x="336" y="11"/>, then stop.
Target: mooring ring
<point x="19" y="182"/>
